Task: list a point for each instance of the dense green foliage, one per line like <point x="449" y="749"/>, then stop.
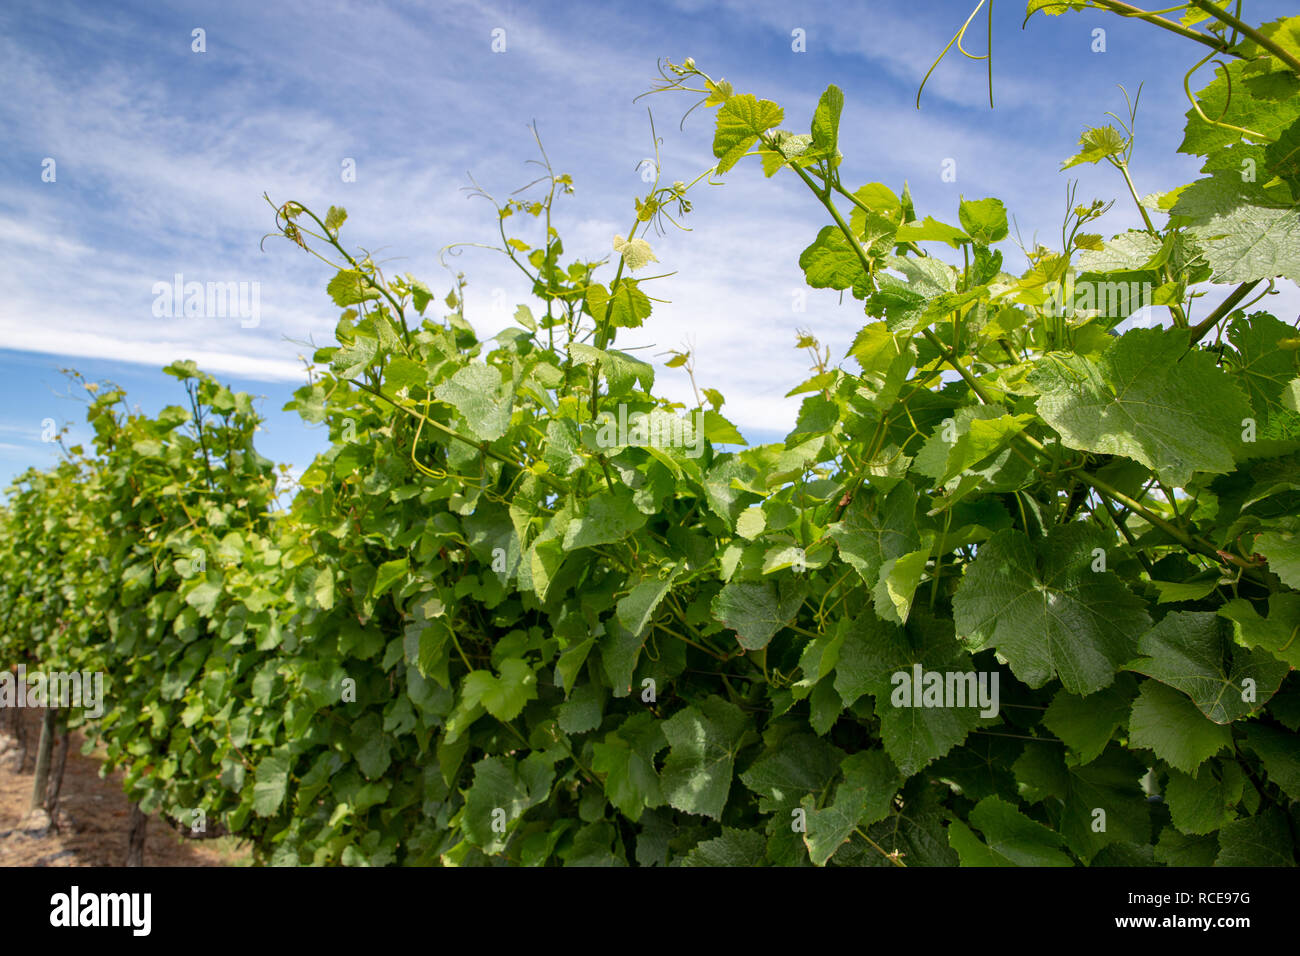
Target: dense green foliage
<point x="487" y="631"/>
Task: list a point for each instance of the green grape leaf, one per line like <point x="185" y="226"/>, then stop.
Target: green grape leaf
<point x="1148" y="398"/>
<point x="204" y="596"/>
<point x="1010" y="838"/>
<point x="609" y="516"/>
<point x="271" y="783"/>
<point x="877" y="529"/>
<point x="1263" y="840"/>
<point x="619" y="651"/>
<point x="1282" y="157"/>
<point x="757" y="610"/>
<point x="1111" y="784"/>
<point x="503" y="697"/>
<point x="400" y="373"/>
<point x="628" y="308"/>
<point x="1242" y="95"/>
<point x="732" y="848"/>
<point x="1279" y="633"/>
<point x="1177" y="849"/>
<point x="1280" y="753"/>
<point x="1102" y="802"/>
<point x="1193" y="652"/>
<point x="1203" y="802"/>
<point x="741" y="121"/>
<point x="1053" y="8"/>
<point x="1128" y="252"/>
<point x="583" y="709"/>
<point x="621" y="370"/>
<point x="1045" y="609"/>
<point x="334" y="218"/>
<point x="636" y="609"/>
<point x="1280" y="544"/>
<point x="636" y="253"/>
<point x="880" y="201"/>
<point x="826" y="121"/>
<point x="1169" y="725"/>
<point x="626" y="758"/>
<point x="720" y="431"/>
<point x="881" y="659"/>
<point x="1096" y="144"/>
<point x="899" y="577"/>
<point x="1265" y="370"/>
<point x="831" y="262"/>
<point x="864" y="797"/>
<point x="390" y="572"/>
<point x="917" y="830"/>
<point x="1174" y="592"/>
<point x="503" y="790"/>
<point x="802" y="764"/>
<point x="985" y="220"/>
<point x="930" y="229"/>
<point x="975" y="433"/>
<point x="483" y="400"/>
<point x="351" y="361"/>
<point x="1243" y="234"/>
<point x="349" y="287"/>
<point x="703" y="741"/>
<point x="1087" y="724"/>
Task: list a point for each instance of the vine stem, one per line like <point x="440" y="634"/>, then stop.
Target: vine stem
<point x="804" y="631"/>
<point x="1197" y="332"/>
<point x="602" y="323"/>
<point x="465" y="660"/>
<point x="682" y="637"/>
<point x="1128" y="535"/>
<point x="1223" y="16"/>
<point x="1176" y="308"/>
<point x="1128" y="10"/>
<point x="378" y="287"/>
<point x="888" y="856"/>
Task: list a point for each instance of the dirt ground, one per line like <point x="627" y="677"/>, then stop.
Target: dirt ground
<point x="91" y="824"/>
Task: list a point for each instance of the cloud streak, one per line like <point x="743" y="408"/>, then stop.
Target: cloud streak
<point x="163" y="156"/>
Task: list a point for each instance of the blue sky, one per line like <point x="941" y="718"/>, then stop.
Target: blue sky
<point x="162" y="155"/>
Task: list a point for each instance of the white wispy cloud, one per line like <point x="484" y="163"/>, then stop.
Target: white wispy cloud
<point x="163" y="156"/>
